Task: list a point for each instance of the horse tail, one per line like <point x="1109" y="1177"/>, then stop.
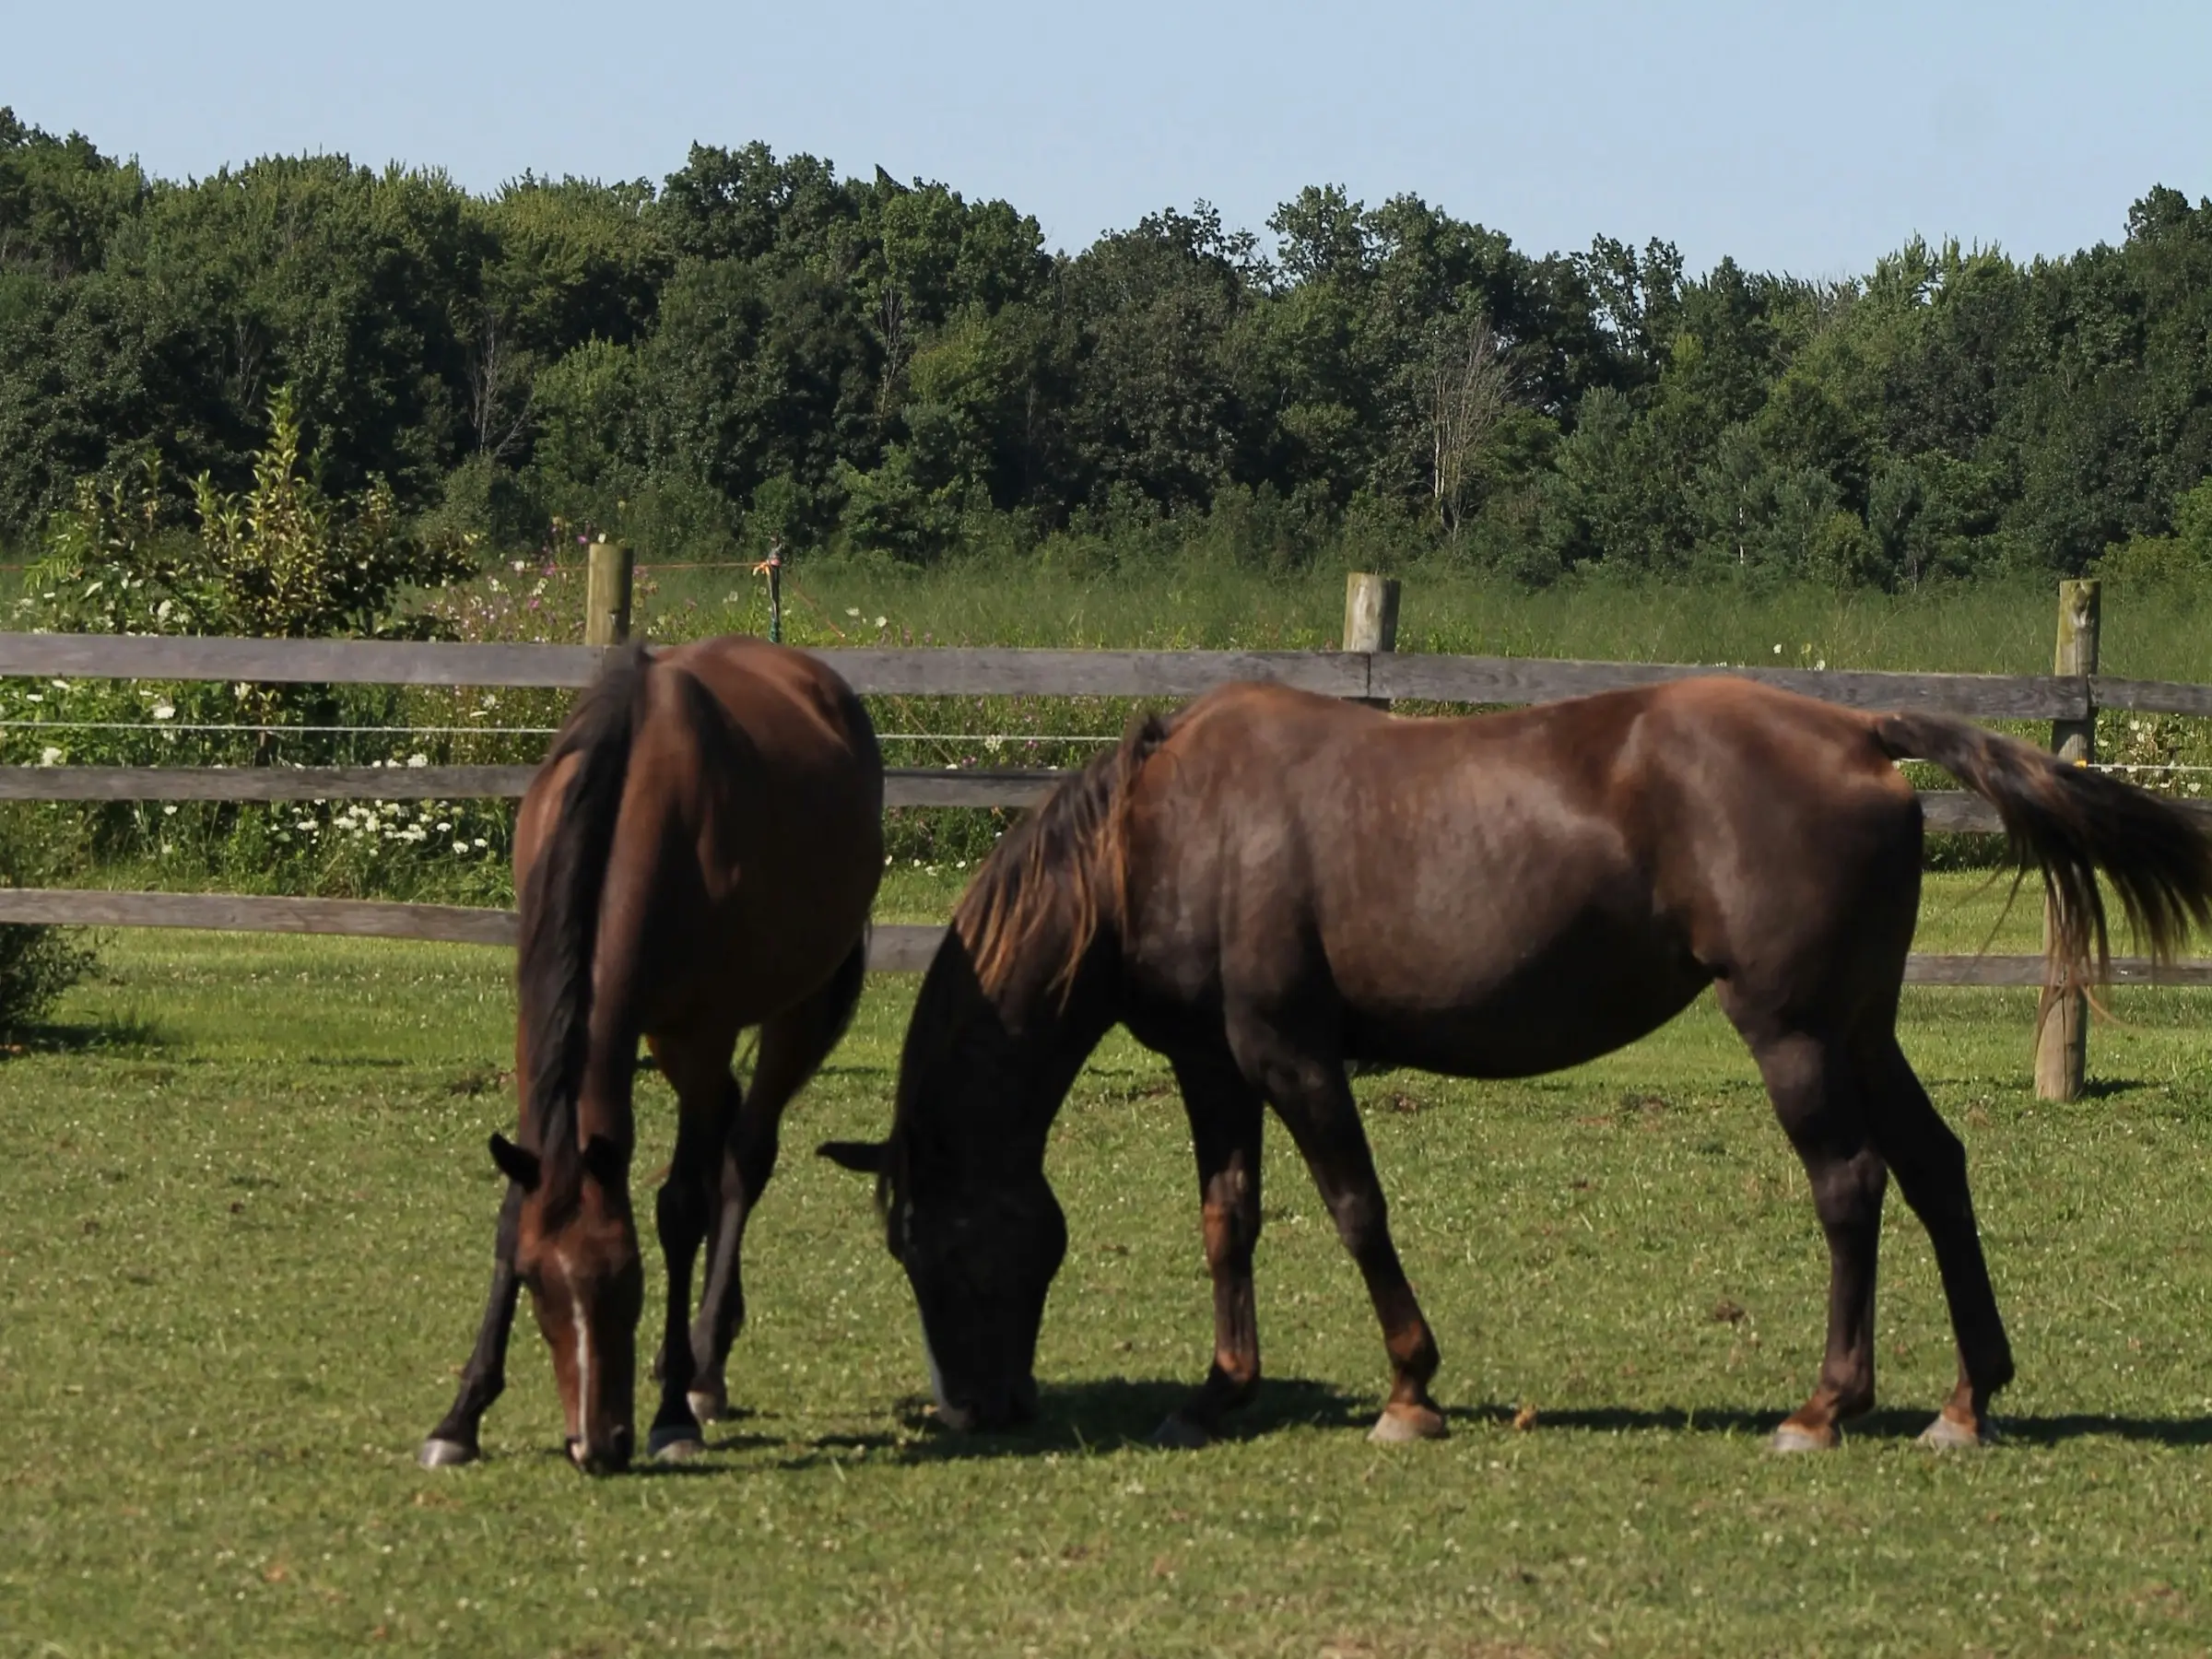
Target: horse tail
<point x="1061" y="877"/>
<point x="560" y="901"/>
<point x="2071" y="822"/>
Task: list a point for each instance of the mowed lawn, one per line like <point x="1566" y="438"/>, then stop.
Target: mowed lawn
<point x="245" y="1221"/>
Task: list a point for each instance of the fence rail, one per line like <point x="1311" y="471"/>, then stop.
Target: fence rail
<point x="956" y="672"/>
<point x="903" y="786"/>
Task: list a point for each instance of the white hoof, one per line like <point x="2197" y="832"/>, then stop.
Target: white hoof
<point x="1947" y="1434"/>
<point x="1399" y="1425"/>
<point x="1791" y="1438"/>
<point x="438" y="1453"/>
<point x="675" y="1446"/>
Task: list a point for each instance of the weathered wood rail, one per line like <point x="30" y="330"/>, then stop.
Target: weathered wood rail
<point x="957" y="671"/>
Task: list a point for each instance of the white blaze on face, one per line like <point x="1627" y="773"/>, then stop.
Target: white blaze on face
<point x="581" y="1330"/>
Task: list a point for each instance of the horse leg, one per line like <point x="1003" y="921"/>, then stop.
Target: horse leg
<point x="1226" y="1114"/>
<point x="484" y="1378"/>
<point x="698" y="1068"/>
<point x="793" y="1046"/>
<point x="1315" y="1101"/>
<point x="1931" y="1170"/>
<point x="1816" y="1096"/>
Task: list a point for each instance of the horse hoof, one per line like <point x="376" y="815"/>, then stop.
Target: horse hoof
<point x="441" y="1453"/>
<point x="1947" y="1434"/>
<point x="708" y="1408"/>
<point x="1791" y="1438"/>
<point x="681" y="1442"/>
<point x="1178" y="1433"/>
<point x="1402" y="1423"/>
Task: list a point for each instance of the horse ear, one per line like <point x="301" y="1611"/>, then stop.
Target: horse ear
<point x="604" y="1162"/>
<point x="863" y="1158"/>
<point x="517" y="1165"/>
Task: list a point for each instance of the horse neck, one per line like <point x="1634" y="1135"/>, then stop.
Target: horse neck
<point x="1014" y="1058"/>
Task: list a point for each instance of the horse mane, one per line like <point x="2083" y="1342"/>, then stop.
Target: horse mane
<point x="1062" y="869"/>
<point x="1052" y="883"/>
<point x="559" y="905"/>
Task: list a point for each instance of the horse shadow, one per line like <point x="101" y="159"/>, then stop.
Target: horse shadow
<point x="2034" y="1429"/>
<point x="1121" y="1413"/>
<point x="1102" y="1414"/>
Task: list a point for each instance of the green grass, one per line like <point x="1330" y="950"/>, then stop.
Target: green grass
<point x="247" y="1213"/>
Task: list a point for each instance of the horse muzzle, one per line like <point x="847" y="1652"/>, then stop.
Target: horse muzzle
<point x="610" y="1457"/>
<point x="995" y="1409"/>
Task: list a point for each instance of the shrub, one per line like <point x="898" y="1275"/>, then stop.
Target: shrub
<point x="37" y="964"/>
<point x="283" y="560"/>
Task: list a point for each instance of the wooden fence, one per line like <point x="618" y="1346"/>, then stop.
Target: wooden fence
<point x="2069" y="700"/>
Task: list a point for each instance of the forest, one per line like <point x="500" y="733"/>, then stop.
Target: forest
<point x="760" y="350"/>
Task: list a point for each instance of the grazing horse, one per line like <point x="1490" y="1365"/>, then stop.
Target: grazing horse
<point x="1271" y="885"/>
<point x="697" y="855"/>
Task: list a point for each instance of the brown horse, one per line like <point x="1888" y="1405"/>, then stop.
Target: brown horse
<point x="1271" y="885"/>
<point x="697" y="856"/>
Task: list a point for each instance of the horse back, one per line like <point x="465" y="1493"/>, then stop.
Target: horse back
<point x="748" y="844"/>
<point x="1505" y="894"/>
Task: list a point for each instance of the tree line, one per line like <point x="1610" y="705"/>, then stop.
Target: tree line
<point x="759" y="350"/>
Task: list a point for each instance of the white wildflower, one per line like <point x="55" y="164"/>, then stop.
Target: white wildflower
<point x="165" y="711"/>
<point x="50" y="756"/>
<point x="170" y="810"/>
<point x="415" y="760"/>
<point x="852" y="610"/>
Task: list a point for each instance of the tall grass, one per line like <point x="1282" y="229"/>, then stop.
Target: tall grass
<point x="1217" y="603"/>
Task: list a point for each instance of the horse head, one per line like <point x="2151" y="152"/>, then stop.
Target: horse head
<point x="577" y="1252"/>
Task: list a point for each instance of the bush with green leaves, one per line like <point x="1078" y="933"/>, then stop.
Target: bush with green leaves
<point x="285" y="559"/>
<point x="281" y="560"/>
<point x="37" y="964"/>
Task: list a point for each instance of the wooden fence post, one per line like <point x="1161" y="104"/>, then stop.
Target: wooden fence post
<point x="1371" y="618"/>
<point x="2062" y="1032"/>
<point x="607" y="593"/>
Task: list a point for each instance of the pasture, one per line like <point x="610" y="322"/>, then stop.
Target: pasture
<point x="248" y="1220"/>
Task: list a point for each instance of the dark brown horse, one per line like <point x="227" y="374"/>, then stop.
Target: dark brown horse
<point x="1271" y="885"/>
<point x="697" y="856"/>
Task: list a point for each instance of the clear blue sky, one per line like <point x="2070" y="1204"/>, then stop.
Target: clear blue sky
<point x="1810" y="138"/>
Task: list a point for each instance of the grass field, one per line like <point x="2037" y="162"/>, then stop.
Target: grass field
<point x="248" y="1214"/>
